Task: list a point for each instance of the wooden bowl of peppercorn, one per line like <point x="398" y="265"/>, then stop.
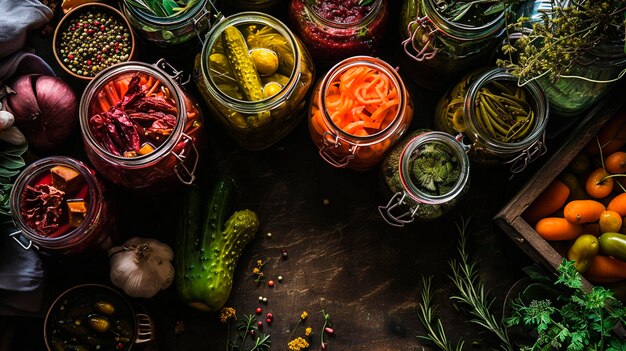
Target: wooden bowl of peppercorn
<point x="92" y="37"/>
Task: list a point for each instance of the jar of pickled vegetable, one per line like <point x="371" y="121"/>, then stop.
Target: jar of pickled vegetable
<point x="169" y="26"/>
<point x="58" y="206"/>
<point x="442" y="40"/>
<point x="139" y="128"/>
<point x="250" y="5"/>
<point x="358" y="111"/>
<point x="590" y="76"/>
<point x="254" y="75"/>
<point x="424" y="177"/>
<point x="504" y="122"/>
<point x="336" y="29"/>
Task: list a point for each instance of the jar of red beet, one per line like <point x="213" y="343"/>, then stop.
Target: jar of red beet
<point x="358" y="111"/>
<point x="140" y="129"/>
<point x="58" y="206"/>
<point x="336" y="29"/>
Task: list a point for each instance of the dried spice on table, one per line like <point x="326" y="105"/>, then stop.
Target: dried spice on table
<point x="246" y="326"/>
<point x="299" y="343"/>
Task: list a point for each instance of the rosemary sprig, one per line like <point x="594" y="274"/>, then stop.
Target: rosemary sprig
<point x="472" y="292"/>
<point x="434" y="328"/>
<point x="245" y="327"/>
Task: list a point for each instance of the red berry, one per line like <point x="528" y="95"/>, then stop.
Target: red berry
<point x="270" y="283"/>
<point x="270" y="316"/>
<point x="329" y="330"/>
<point x="259" y="324"/>
<point x="258" y="310"/>
<point x="269" y="321"/>
<point x="102" y="27"/>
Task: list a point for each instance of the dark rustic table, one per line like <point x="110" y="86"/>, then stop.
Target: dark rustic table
<point x="342" y="257"/>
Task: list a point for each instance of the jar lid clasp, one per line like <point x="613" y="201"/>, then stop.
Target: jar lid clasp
<point x="184" y="174"/>
<point x="214" y="17"/>
<point x="528" y="155"/>
<point x="400" y="220"/>
<point x="23" y="242"/>
<point x="424" y="33"/>
<point x="175" y="74"/>
<point x="331" y="141"/>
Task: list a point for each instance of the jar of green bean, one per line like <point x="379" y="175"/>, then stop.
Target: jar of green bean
<point x="504" y="122"/>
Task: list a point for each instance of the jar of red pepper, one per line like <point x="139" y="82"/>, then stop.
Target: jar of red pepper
<point x="336" y="29"/>
<point x="358" y="111"/>
<point x="140" y="129"/>
<point x="58" y="206"/>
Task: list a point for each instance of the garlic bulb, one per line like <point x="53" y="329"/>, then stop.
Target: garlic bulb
<point x="142" y="267"/>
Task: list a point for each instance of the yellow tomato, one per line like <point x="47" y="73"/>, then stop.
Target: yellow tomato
<point x="610" y="221"/>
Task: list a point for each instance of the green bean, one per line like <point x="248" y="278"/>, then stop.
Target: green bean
<point x="485" y="119"/>
<point x="497" y="122"/>
<point x="502" y="87"/>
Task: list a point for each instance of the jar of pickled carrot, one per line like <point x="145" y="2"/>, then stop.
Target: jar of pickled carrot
<point x="140" y="129"/>
<point x="59" y="206"/>
<point x="358" y="111"/>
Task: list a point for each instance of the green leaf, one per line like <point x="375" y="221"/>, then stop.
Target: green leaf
<point x="365" y="2"/>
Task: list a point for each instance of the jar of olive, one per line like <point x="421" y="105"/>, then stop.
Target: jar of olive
<point x="444" y="39"/>
<point x="254" y="75"/>
<point x="504" y="122"/>
<point x="424" y="177"/>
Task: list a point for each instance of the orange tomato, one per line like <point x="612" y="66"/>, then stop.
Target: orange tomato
<point x="583" y="211"/>
<point x="597" y="186"/>
<point x="618" y="204"/>
<point x="616" y="162"/>
<point x="610" y="221"/>
<point x="554" y="228"/>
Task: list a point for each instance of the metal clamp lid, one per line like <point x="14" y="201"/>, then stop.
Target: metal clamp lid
<point x="427" y="51"/>
<point x="214" y="17"/>
<point x="331" y="141"/>
<point x="22" y="241"/>
<point x="528" y="155"/>
<point x="185" y="175"/>
<point x="175" y="74"/>
<point x="398" y="220"/>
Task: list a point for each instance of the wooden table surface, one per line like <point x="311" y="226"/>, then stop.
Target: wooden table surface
<point x="342" y="257"/>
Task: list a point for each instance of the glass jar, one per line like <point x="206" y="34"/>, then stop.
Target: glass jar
<point x="437" y="51"/>
<point x="592" y="75"/>
<point x="505" y="123"/>
<point x="167" y="31"/>
<point x="352" y="132"/>
<point x="77" y="217"/>
<point x="250" y="5"/>
<point x="126" y="140"/>
<point x="424" y="177"/>
<point x="256" y="85"/>
<point x="333" y="39"/>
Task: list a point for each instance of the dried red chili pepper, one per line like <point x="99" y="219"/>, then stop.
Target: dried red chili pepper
<point x="41" y="207"/>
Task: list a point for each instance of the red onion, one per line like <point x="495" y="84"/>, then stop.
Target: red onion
<point x="45" y="110"/>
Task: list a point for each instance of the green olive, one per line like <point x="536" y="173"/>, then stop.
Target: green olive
<point x="584" y="249"/>
<point x="105" y="307"/>
<point x="265" y="61"/>
<point x="613" y="244"/>
<point x="271" y="89"/>
<point x="98" y="323"/>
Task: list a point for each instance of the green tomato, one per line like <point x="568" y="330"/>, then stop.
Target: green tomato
<point x="613" y="244"/>
<point x="584" y="249"/>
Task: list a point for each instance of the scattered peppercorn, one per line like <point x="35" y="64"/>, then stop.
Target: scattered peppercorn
<point x="283" y="253"/>
<point x="92" y="41"/>
<point x="326" y="202"/>
<point x="260" y="298"/>
<point x="259" y="310"/>
<point x="259" y="324"/>
<point x="265" y="299"/>
<point x="270" y="283"/>
<point x="269" y="235"/>
<point x="269" y="321"/>
<point x="270" y="316"/>
<point x="280" y="278"/>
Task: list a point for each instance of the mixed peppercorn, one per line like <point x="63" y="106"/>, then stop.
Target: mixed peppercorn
<point x="93" y="41"/>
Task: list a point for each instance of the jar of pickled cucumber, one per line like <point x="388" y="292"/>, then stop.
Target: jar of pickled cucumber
<point x="424" y="177"/>
<point x="164" y="29"/>
<point x="59" y="206"/>
<point x="139" y="127"/>
<point x="254" y="75"/>
<point x="358" y="111"/>
<point x="505" y="123"/>
<point x="336" y="29"/>
<point x="444" y="39"/>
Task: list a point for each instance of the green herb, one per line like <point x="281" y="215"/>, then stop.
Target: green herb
<point x="365" y="2"/>
<point x="435" y="168"/>
<point x="577" y="320"/>
<point x="554" y="44"/>
<point x="248" y="326"/>
<point x="11" y="162"/>
<point x="327" y="324"/>
<point x="434" y="328"/>
<point x="469" y="11"/>
<point x="163" y="8"/>
<point x="472" y="291"/>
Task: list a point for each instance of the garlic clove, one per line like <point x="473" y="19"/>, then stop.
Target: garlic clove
<point x="12" y="135"/>
<point x="6" y="119"/>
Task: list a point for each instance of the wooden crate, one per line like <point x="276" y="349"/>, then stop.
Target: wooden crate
<point x="510" y="217"/>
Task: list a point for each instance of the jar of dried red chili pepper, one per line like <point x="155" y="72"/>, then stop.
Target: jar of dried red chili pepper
<point x="358" y="111"/>
<point x="336" y="29"/>
<point x="58" y="206"/>
<point x="140" y="129"/>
